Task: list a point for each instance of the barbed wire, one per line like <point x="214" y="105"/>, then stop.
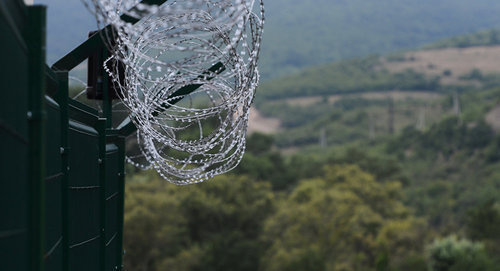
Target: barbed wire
<point x="190" y="75"/>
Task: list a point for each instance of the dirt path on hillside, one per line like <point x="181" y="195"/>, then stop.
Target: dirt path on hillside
<point x="261" y="124"/>
<point x="459" y="61"/>
<point x="378" y="95"/>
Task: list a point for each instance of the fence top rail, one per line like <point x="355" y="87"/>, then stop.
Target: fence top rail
<point x="94" y="43"/>
<point x="51" y="82"/>
<point x="82" y="113"/>
<point x="88" y="115"/>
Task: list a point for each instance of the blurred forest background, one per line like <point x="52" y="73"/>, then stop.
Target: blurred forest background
<point x="374" y="144"/>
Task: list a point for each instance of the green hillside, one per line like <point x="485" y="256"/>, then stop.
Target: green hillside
<point x="420" y="199"/>
<point x="302" y="33"/>
<point x="381" y="163"/>
<point x="305" y="33"/>
<point x="482" y="38"/>
<point x="348" y="76"/>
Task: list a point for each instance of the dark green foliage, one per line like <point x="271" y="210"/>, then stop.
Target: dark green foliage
<point x="475" y="74"/>
<point x="375" y="205"/>
<point x="444" y="138"/>
<point x="408" y="136"/>
<point x="229" y="232"/>
<point x="220" y="223"/>
<point x="345" y="121"/>
<point x="293" y="116"/>
<point x="482" y="224"/>
<point x="483" y="38"/>
<point x="493" y="152"/>
<point x="269" y="167"/>
<point x="258" y="143"/>
<point x="309" y="259"/>
<point x="447" y="72"/>
<point x="413" y="262"/>
<point x="265" y="164"/>
<point x="479" y="135"/>
<point x="489" y="80"/>
<point x="483" y="221"/>
<point x="478" y="103"/>
<point x="301" y="33"/>
<point x="303" y="166"/>
<point x="382" y="261"/>
<point x="397" y="57"/>
<point x="448" y="169"/>
<point x="212" y="226"/>
<point x="382" y="168"/>
<point x="451" y="254"/>
<point x="340" y="120"/>
<point x="313" y="228"/>
<point x="353" y="76"/>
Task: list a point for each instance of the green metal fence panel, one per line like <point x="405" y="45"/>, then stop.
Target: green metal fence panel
<point x="60" y="94"/>
<point x="111" y="204"/>
<point x="53" y="192"/>
<point x="35" y="39"/>
<point x="120" y="201"/>
<point x="62" y="171"/>
<point x="84" y="197"/>
<point x="14" y="137"/>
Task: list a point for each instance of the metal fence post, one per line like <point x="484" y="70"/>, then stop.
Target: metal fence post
<point x="35" y="37"/>
<point x="121" y="199"/>
<point x="107" y="102"/>
<point x="101" y="129"/>
<point x="62" y="100"/>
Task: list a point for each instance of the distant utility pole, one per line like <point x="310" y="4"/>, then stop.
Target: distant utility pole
<point x="421" y="119"/>
<point x="371" y="127"/>
<point x="390" y="112"/>
<point x="456" y="104"/>
<point x="457" y="109"/>
<point x="322" y="138"/>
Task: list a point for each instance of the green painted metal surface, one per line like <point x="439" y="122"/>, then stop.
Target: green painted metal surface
<point x="53" y="181"/>
<point x="14" y="137"/>
<point x="62" y="166"/>
<point x="61" y="170"/>
<point x="62" y="96"/>
<point x="36" y="115"/>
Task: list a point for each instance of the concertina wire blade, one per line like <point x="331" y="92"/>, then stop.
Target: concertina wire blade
<point x="190" y="76"/>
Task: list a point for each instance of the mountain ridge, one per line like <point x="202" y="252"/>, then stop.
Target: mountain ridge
<point x="306" y="33"/>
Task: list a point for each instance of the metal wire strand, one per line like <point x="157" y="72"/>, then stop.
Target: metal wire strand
<point x="190" y="78"/>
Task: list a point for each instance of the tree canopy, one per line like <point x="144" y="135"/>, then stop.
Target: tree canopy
<point x="344" y="220"/>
